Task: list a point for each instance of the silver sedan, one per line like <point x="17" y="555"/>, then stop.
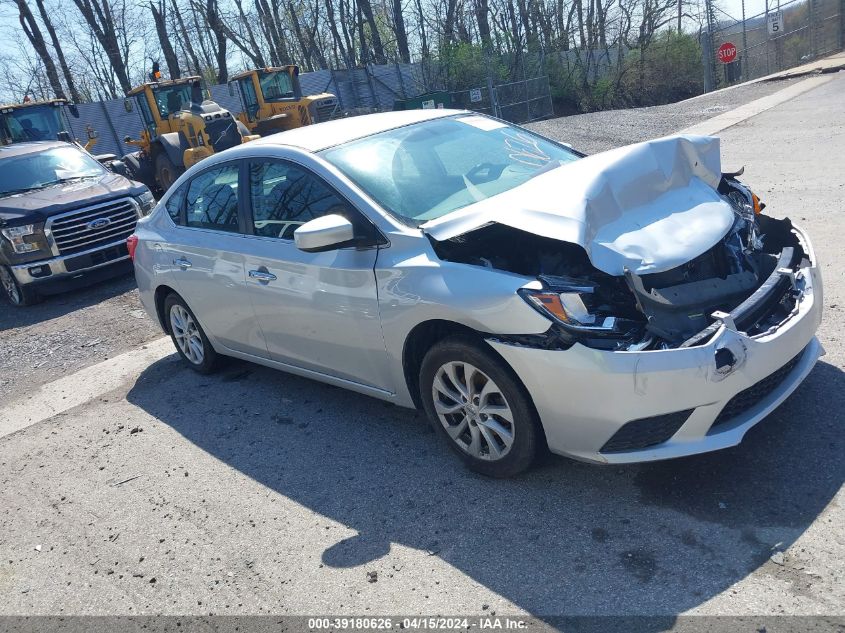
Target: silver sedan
<point x="628" y="306"/>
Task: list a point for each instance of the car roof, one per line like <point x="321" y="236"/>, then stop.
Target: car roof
<point x="318" y="137"/>
<point x="30" y="147"/>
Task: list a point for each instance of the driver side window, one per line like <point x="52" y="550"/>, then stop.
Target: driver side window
<point x="285" y="196"/>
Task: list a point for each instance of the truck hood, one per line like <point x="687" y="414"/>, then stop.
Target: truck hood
<point x="648" y="207"/>
<point x="37" y="206"/>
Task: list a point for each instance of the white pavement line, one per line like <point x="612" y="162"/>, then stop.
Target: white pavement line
<point x="83" y="386"/>
<point x="715" y="125"/>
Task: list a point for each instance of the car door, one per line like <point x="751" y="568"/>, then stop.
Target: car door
<point x="207" y="261"/>
<point x="318" y="311"/>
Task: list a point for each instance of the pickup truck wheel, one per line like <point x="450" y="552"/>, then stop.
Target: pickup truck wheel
<point x="479" y="407"/>
<point x="188" y="336"/>
<point x="16" y="294"/>
<point x="166" y="171"/>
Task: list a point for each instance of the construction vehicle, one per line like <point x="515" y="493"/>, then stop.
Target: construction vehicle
<point x="180" y="128"/>
<point x="40" y="121"/>
<point x="272" y="100"/>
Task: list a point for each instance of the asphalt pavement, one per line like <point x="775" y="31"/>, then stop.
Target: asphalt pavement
<point x="253" y="491"/>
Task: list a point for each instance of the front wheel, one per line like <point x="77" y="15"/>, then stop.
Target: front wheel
<point x="166" y="171"/>
<point x="479" y="408"/>
<point x="188" y="336"/>
<point x="15" y="293"/>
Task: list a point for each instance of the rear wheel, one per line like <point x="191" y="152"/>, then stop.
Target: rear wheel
<point x="188" y="336"/>
<point x="15" y="293"/>
<point x="479" y="408"/>
<point x="166" y="171"/>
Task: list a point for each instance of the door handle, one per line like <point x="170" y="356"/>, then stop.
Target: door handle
<point x="182" y="263"/>
<point x="262" y="275"/>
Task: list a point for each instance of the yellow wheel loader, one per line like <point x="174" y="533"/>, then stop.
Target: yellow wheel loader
<point x="180" y="128"/>
<point x="272" y="101"/>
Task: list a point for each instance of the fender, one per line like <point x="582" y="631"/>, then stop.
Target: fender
<point x="174" y="145"/>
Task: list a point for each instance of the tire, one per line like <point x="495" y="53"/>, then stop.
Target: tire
<point x="479" y="427"/>
<point x="188" y="336"/>
<point x="166" y="171"/>
<point x="16" y="294"/>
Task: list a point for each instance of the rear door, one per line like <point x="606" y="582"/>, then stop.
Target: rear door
<point x="318" y="311"/>
<point x="207" y="261"/>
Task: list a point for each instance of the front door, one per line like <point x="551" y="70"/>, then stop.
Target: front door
<point x="317" y="311"/>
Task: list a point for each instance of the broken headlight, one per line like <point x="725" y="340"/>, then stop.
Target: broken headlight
<point x="594" y="313"/>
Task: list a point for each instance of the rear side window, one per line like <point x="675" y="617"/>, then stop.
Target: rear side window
<point x="174" y="206"/>
<point x="285" y="196"/>
<point x="212" y="200"/>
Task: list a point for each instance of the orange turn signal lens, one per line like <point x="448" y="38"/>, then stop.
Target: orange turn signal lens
<point x="550" y="302"/>
<point x="758" y="206"/>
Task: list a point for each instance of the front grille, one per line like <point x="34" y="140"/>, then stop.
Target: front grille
<point x="753" y="395"/>
<point x="645" y="432"/>
<point x="93" y="226"/>
<point x="324" y="109"/>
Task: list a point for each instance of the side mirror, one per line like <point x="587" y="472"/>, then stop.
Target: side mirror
<point x="118" y="167"/>
<point x="327" y="233"/>
<point x="127" y="105"/>
<point x="127" y="139"/>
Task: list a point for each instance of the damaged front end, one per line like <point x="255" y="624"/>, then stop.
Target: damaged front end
<point x="749" y="280"/>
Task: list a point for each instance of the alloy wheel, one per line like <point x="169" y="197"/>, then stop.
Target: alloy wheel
<point x="187" y="334"/>
<point x="473" y="410"/>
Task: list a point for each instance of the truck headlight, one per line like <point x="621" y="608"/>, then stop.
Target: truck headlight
<point x="25" y="238"/>
<point x="146" y="201"/>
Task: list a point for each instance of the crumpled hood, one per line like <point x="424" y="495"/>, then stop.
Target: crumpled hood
<point x="38" y="205"/>
<point x="648" y="207"/>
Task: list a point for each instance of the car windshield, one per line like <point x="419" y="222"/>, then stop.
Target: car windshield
<point x="427" y="170"/>
<point x="42" y="169"/>
<point x="276" y="85"/>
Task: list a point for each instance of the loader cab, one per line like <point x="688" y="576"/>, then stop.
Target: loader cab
<point x="40" y="121"/>
<point x="158" y="102"/>
<point x="261" y="88"/>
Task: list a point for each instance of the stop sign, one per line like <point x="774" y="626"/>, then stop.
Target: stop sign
<point x="726" y="53"/>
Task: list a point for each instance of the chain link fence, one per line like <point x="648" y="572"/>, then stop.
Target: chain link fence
<point x="516" y="101"/>
<point x="787" y="33"/>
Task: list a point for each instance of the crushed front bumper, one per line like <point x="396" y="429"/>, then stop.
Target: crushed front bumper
<point x="599" y="406"/>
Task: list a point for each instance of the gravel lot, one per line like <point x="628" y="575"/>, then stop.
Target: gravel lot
<point x="77" y="329"/>
<point x="600" y="131"/>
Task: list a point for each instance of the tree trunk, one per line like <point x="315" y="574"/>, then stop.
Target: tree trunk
<point x="482" y="9"/>
<point x="101" y="21"/>
<point x="185" y="39"/>
<point x="164" y="39"/>
<point x="375" y="37"/>
<point x="33" y="34"/>
<point x="401" y="33"/>
<point x="51" y="31"/>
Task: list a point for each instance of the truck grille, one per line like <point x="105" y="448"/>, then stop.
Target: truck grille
<point x="93" y="226"/>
